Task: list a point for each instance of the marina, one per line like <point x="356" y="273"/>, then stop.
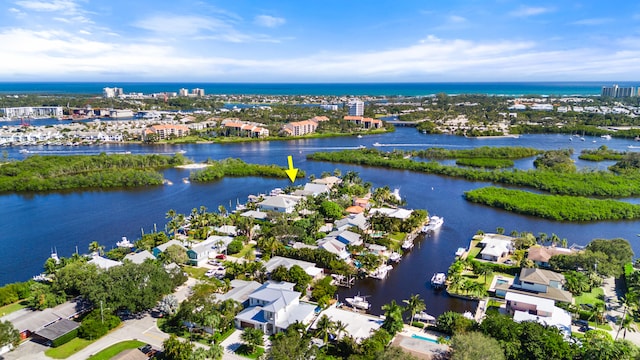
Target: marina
<point x="105" y="216"/>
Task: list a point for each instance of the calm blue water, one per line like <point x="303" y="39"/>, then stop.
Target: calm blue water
<point x="32" y="224"/>
<point x="374" y="89"/>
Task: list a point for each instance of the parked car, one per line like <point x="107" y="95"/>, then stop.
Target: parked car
<point x="210" y="273"/>
<point x="221" y="256"/>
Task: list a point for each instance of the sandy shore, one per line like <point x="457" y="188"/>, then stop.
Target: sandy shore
<point x="193" y="166"/>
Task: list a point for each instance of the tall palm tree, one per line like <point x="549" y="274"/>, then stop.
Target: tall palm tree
<point x="414" y="305"/>
<point x="393" y="317"/>
<point x="324" y="327"/>
<point x="340" y="328"/>
<point x="630" y="303"/>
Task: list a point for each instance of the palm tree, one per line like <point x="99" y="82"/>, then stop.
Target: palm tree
<point x="252" y="338"/>
<point x="483" y="269"/>
<point x="393" y="317"/>
<point x="340" y="328"/>
<point x="96" y="248"/>
<point x="630" y="303"/>
<point x="324" y="327"/>
<point x="414" y="305"/>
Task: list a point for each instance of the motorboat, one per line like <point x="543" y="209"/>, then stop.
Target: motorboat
<point x="124" y="243"/>
<point x="435" y="223"/>
<point x="423" y="316"/>
<point x="23" y="151"/>
<point x="606" y="137"/>
<point x="358" y="302"/>
<point x="359" y="136"/>
<point x="377" y="144"/>
<point x="381" y="272"/>
<point x="460" y="251"/>
<point x="438" y="280"/>
<point x="186" y="180"/>
<point x="407" y="244"/>
<point x="361" y="147"/>
<point x="395" y="257"/>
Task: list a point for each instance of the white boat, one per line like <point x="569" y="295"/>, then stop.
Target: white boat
<point x="395" y="257"/>
<point x="407" y="244"/>
<point x="358" y="302"/>
<point x="377" y="144"/>
<point x="423" y="316"/>
<point x="362" y="147"/>
<point x="381" y="272"/>
<point x="186" y="180"/>
<point x="438" y="280"/>
<point x="124" y="243"/>
<point x="435" y="222"/>
<point x="606" y="137"/>
<point x="181" y="151"/>
<point x="460" y="251"/>
<point x="167" y="182"/>
<point x="23" y="151"/>
<point x="633" y="147"/>
<point x="359" y="136"/>
<point x="396" y="194"/>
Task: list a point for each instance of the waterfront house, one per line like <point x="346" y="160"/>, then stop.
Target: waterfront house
<point x="255" y="214"/>
<point x="495" y="247"/>
<point x="331" y="181"/>
<point x="313" y="189"/>
<point x="273" y="308"/>
<point x="540" y="283"/>
<point x="347" y="237"/>
<point x="540" y="255"/>
<point x="200" y="253"/>
<point x="162" y="247"/>
<point x="334" y="246"/>
<point x="358" y="325"/>
<point x="398" y="213"/>
<point x="279" y="203"/>
<point x="227" y="230"/>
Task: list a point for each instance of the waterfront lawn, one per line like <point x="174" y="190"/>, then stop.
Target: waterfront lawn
<point x="8" y="309"/>
<point x="474" y="249"/>
<point x="116" y="349"/>
<point x="396" y="239"/>
<point x="65" y="350"/>
<point x="195" y="272"/>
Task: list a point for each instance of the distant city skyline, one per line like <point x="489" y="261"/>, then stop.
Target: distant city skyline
<point x="329" y="41"/>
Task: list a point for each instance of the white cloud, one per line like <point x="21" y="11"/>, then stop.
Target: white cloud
<point x="457" y="19"/>
<point x="525" y="11"/>
<point x="47" y="6"/>
<point x="593" y="21"/>
<point x="77" y="56"/>
<point x="268" y="21"/>
<point x="180" y="25"/>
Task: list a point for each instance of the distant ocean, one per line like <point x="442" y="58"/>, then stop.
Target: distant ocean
<point x="339" y="89"/>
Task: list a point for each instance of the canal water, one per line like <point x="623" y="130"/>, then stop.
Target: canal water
<point x="32" y="225"/>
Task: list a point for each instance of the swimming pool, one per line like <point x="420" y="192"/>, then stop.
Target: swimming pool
<point x="415" y="336"/>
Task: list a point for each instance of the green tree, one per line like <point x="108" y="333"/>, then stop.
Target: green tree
<point x="96" y="248"/>
<point x="291" y="345"/>
<point x="174" y="254"/>
<point x="331" y="210"/>
<point x="252" y="338"/>
<point x="8" y="334"/>
<point x="393" y="317"/>
<point x="475" y="346"/>
<point x="324" y="327"/>
<point x="174" y="349"/>
<point x="414" y="304"/>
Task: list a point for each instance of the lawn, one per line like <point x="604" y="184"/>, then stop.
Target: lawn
<point x="242" y="350"/>
<point x="596" y="295"/>
<point x="68" y="349"/>
<point x="474" y="250"/>
<point x="245" y="250"/>
<point x="195" y="272"/>
<point x="116" y="349"/>
<point x="8" y="309"/>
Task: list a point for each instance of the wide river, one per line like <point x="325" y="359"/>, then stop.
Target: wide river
<point x="32" y="225"/>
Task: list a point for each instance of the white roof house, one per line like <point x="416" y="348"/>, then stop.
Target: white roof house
<point x="200" y="253"/>
<point x="308" y="267"/>
<point x="313" y="189"/>
<point x="139" y="257"/>
<point x="227" y="230"/>
<point x="532" y="308"/>
<point x="348" y="237"/>
<point x="258" y="215"/>
<point x="329" y="180"/>
<point x="279" y="203"/>
<point x="273" y="308"/>
<point x="103" y="262"/>
<point x="334" y="246"/>
<point x="398" y="213"/>
<point x="495" y="246"/>
<point x="355" y="220"/>
<point x="359" y="325"/>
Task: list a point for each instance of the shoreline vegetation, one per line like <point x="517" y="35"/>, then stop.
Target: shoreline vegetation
<point x="553" y="207"/>
<point x="592" y="183"/>
<point x="53" y="173"/>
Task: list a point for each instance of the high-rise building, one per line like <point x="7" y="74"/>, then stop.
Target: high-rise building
<point x="356" y="107"/>
<point x="197" y="92"/>
<point x="112" y="92"/>
<point x="616" y="91"/>
<point x="183" y="92"/>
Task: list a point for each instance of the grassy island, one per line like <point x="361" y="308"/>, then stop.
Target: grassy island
<point x="483" y="152"/>
<point x="237" y="167"/>
<point x="554" y="207"/>
<point x="46" y="173"/>
<point x="591" y="183"/>
<point x="600" y="154"/>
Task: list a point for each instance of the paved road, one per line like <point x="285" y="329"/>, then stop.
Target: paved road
<point x="615" y="310"/>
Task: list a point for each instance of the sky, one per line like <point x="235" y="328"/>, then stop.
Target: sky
<point x="319" y="41"/>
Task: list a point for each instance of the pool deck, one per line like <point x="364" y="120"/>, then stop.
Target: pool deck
<point x="421" y="349"/>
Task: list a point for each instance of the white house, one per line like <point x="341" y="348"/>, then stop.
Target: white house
<point x="139" y="257"/>
<point x="495" y="246"/>
<point x="103" y="262"/>
<point x="279" y="203"/>
<point x="398" y="213"/>
<point x="199" y="253"/>
<point x="353" y="220"/>
<point x="308" y="267"/>
<point x="273" y="308"/>
<point x="334" y="246"/>
<point x="530" y="308"/>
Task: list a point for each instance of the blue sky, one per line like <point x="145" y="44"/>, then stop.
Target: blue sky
<point x="319" y="41"/>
